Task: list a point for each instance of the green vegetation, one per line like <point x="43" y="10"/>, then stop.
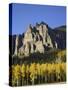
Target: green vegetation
<point x="47" y="57"/>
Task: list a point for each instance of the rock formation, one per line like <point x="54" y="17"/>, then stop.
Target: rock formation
<point x="16" y="46"/>
<point x="36" y="39"/>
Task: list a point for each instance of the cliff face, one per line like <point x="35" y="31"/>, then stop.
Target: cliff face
<point x="39" y="38"/>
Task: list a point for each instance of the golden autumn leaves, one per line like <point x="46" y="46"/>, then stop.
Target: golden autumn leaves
<point x="35" y="73"/>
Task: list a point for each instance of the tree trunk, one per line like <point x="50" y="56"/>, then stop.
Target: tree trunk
<point x="32" y="82"/>
<point x="17" y="82"/>
<point x="22" y="81"/>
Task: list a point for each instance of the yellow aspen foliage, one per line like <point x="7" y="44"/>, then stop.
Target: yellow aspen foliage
<point x="43" y="69"/>
<point x="49" y="68"/>
<point x="17" y="69"/>
<point x="33" y="71"/>
<point x="38" y="68"/>
<point x="23" y="70"/>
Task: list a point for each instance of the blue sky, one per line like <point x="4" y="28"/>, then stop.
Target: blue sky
<point x="25" y="14"/>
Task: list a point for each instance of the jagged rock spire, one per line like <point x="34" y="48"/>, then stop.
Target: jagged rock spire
<point x="16" y="45"/>
<point x="35" y="41"/>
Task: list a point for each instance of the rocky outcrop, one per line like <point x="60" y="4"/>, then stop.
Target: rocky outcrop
<point x="16" y="45"/>
<point x="39" y="47"/>
<point x="39" y="38"/>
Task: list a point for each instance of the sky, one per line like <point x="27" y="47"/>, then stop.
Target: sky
<point x="25" y="14"/>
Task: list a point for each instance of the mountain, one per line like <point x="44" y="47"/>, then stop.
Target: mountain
<point x="39" y="38"/>
<point x="61" y="28"/>
<point x="60" y="33"/>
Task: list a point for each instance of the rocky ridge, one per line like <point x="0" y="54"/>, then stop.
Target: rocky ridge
<point x="39" y="38"/>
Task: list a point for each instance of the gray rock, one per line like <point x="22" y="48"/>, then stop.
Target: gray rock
<point x="34" y="40"/>
<point x="16" y="45"/>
